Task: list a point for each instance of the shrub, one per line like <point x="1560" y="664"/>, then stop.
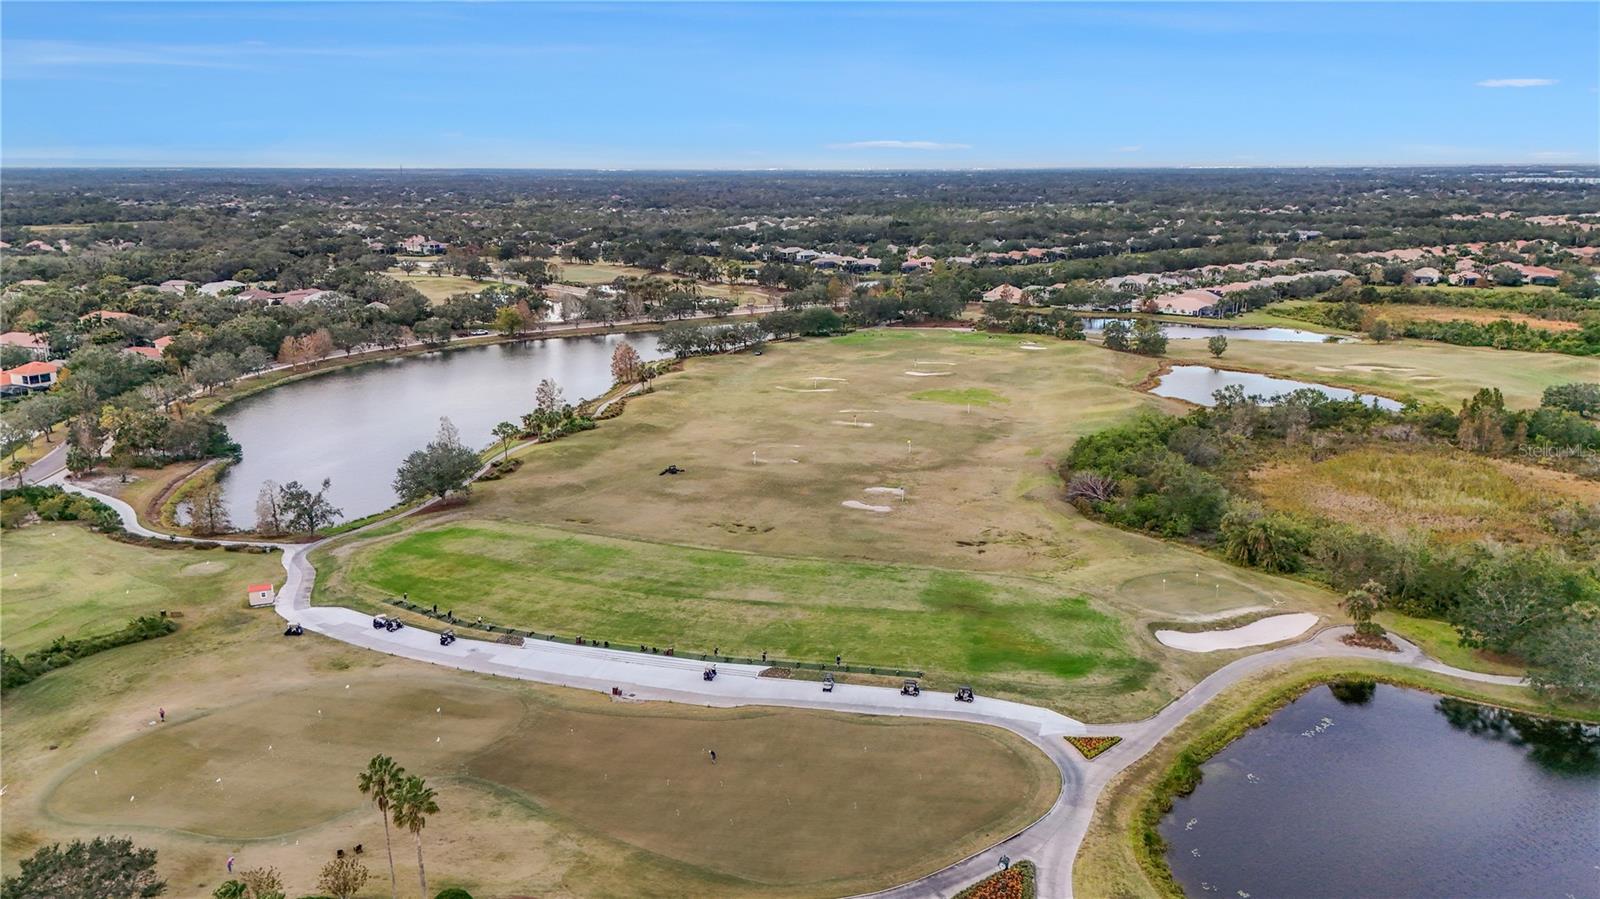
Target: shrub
<point x="453" y="893"/>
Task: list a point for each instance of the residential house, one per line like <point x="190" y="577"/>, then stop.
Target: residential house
<point x="1004" y="293"/>
<point x="1467" y="278"/>
<point x="32" y="342"/>
<point x="419" y="245"/>
<point x="1190" y="302"/>
<point x="39" y="246"/>
<point x="105" y="315"/>
<point x="148" y="352"/>
<point x="1426" y="275"/>
<point x="218" y="288"/>
<point x="32" y="375"/>
<point x="162" y="343"/>
<point x="917" y="264"/>
<point x="260" y="595"/>
<point x="1537" y="274"/>
<point x="176" y="285"/>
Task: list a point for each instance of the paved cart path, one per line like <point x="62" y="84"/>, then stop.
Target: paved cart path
<point x="1051" y="842"/>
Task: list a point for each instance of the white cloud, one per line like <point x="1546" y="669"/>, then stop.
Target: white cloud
<point x="898" y="145"/>
<point x="1131" y="148"/>
<point x="1517" y="82"/>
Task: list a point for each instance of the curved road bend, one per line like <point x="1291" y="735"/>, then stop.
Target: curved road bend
<point x="1051" y="842"/>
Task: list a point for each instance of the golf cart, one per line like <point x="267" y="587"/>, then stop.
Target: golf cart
<point x="964" y="694"/>
<point x="827" y="683"/>
<point x="910" y="688"/>
<point x="380" y="622"/>
<point x="293" y="630"/>
<point x="709" y="674"/>
<point x="447" y="638"/>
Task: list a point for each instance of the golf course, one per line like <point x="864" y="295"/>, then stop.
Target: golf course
<point x="889" y="498"/>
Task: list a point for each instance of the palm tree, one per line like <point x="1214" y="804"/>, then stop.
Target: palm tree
<point x="413" y="803"/>
<point x="382" y="781"/>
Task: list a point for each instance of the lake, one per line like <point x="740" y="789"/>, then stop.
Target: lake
<point x="1202" y="332"/>
<point x="1196" y="383"/>
<point x="1373" y="790"/>
<point x="356" y="425"/>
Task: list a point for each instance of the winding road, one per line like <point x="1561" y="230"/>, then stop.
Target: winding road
<point x="1051" y="842"/>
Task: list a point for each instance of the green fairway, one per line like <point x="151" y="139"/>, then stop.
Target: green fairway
<point x="60" y="580"/>
<point x="948" y="623"/>
<point x="970" y="396"/>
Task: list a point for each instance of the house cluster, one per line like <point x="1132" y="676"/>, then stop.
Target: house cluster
<point x="238" y="290"/>
<point x="1470" y="273"/>
<point x="1207" y="301"/>
<point x="828" y="261"/>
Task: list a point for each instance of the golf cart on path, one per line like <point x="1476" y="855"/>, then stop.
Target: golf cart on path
<point x="293" y="630"/>
<point x="709" y="674"/>
<point x="910" y="688"/>
<point x="827" y="683"/>
<point x="447" y="638"/>
<point x="385" y="623"/>
<point x="964" y="694"/>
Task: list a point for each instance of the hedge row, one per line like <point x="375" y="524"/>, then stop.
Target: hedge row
<point x="18" y="670"/>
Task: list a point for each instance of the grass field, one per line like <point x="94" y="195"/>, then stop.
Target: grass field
<point x="1422" y="369"/>
<point x="978" y="572"/>
<point x="60" y="580"/>
<point x="1452" y="495"/>
<point x="1441" y="641"/>
<point x="438" y="288"/>
<point x="544" y="792"/>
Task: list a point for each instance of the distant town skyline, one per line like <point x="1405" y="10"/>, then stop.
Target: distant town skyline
<point x="798" y="86"/>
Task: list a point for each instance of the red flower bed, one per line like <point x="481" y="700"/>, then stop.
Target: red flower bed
<point x="1015" y="882"/>
<point x="1093" y="746"/>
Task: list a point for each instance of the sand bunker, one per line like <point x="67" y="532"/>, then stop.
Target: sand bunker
<point x="856" y="504"/>
<point x="895" y="491"/>
<point x="809" y="389"/>
<point x="928" y="374"/>
<point x="821" y="378"/>
<point x="853" y="424"/>
<point x="925" y="362"/>
<point x="855" y="411"/>
<point x="1256" y="633"/>
<point x="1030" y="346"/>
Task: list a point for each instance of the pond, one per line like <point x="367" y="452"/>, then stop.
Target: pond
<point x="1202" y="332"/>
<point x="1197" y="383"/>
<point x="356" y="425"/>
<point x="1372" y="790"/>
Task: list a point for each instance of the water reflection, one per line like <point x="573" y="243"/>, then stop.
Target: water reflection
<point x="1566" y="747"/>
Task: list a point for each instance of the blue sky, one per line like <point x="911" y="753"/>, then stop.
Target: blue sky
<point x="752" y="86"/>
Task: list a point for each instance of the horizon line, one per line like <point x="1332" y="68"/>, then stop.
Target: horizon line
<point x="1558" y="166"/>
